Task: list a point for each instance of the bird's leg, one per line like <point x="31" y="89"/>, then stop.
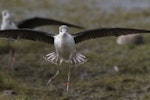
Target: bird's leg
<point x="68" y="80"/>
<point x="53" y="77"/>
<point x="9" y="60"/>
<point x="12" y="58"/>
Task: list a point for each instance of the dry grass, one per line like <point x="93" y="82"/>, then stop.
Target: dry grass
<point x="95" y="79"/>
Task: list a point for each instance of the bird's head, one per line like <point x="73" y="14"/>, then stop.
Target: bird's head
<point x="5" y="14"/>
<point x="63" y="29"/>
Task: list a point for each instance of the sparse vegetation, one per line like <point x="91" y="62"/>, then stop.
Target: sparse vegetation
<point x="94" y="80"/>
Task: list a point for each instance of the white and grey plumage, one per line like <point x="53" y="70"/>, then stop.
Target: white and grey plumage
<point x="64" y="42"/>
<point x="7" y="23"/>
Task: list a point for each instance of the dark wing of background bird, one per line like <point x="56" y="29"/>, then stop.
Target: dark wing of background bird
<point x="28" y="34"/>
<point x="103" y="32"/>
<point x="37" y="22"/>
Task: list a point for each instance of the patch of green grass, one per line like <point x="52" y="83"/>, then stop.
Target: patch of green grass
<point x="96" y="79"/>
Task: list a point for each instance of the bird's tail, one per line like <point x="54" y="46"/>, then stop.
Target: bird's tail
<point x="53" y="58"/>
<point x="78" y="59"/>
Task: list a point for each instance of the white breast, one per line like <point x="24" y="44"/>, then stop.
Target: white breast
<point x="65" y="46"/>
<point x="6" y="24"/>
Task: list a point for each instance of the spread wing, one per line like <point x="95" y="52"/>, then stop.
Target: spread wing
<point x="103" y="32"/>
<point x="37" y="22"/>
<point x="28" y="34"/>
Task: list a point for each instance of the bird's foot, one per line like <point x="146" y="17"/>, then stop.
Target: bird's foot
<point x="67" y="86"/>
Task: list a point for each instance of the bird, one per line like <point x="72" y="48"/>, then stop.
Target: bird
<point x="64" y="43"/>
<point x="31" y="23"/>
<point x="130" y="39"/>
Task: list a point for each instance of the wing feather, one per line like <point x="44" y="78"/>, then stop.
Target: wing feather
<point x="104" y="32"/>
<point x="37" y="22"/>
<point x="28" y="34"/>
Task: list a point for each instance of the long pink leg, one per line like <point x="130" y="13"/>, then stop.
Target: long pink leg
<point x="68" y="80"/>
<point x="53" y="77"/>
<point x="12" y="58"/>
